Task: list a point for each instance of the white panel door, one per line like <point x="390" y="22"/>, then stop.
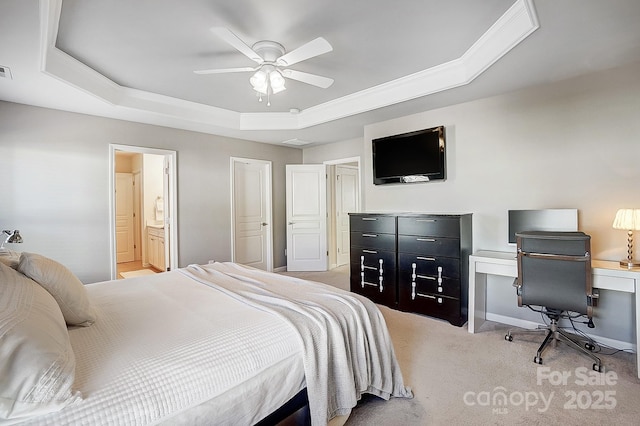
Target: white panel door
<point x="252" y="213"/>
<point x="306" y="205"/>
<point x="346" y="202"/>
<point x="125" y="251"/>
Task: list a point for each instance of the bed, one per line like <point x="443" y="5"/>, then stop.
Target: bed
<point x="216" y="344"/>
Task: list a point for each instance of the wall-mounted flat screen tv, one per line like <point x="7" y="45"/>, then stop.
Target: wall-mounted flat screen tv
<point x="410" y="157"/>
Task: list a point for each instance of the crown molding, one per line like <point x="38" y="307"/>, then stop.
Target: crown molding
<point x="515" y="25"/>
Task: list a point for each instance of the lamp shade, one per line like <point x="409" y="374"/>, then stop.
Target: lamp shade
<point x="277" y="81"/>
<point x="627" y="219"/>
<point x="259" y="82"/>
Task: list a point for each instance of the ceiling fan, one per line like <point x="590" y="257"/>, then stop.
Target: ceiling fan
<point x="273" y="63"/>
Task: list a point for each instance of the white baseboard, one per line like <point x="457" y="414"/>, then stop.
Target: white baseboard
<point x="516" y="322"/>
<point x="280" y="269"/>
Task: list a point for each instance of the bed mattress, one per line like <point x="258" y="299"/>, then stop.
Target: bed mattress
<point x="169" y="349"/>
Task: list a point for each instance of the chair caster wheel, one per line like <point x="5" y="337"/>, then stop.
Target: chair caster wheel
<point x="597" y="367"/>
<point x="589" y="346"/>
<point x="537" y="360"/>
<point x="508" y="338"/>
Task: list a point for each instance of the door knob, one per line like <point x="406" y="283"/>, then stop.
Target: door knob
<point x="264" y="224"/>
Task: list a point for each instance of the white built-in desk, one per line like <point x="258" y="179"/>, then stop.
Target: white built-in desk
<point x="607" y="275"/>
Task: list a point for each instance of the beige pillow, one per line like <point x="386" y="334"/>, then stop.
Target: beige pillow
<point x="63" y="285"/>
<point x="37" y="364"/>
<point x="10" y="258"/>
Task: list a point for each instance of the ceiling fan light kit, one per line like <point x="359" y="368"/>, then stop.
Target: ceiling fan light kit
<point x="267" y="81"/>
<point x="269" y="76"/>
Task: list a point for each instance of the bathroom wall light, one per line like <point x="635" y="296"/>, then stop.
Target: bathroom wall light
<point x="12" y="237"/>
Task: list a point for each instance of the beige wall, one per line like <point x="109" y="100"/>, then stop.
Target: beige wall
<point x="333" y="151"/>
<point x="54" y="170"/>
<point x="571" y="144"/>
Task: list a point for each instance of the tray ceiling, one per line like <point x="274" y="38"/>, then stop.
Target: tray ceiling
<point x="135" y="60"/>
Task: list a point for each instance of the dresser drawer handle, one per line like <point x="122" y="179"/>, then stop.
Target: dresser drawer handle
<point x="370" y="251"/>
<point x="430" y="240"/>
<point x="429" y="259"/>
<point x="369" y="218"/>
<point x="370" y="235"/>
<point x="426" y="220"/>
<point x="426" y="296"/>
<point x="425" y="277"/>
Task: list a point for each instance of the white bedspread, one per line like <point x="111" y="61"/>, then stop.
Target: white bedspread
<point x="347" y="348"/>
<point x="166" y="345"/>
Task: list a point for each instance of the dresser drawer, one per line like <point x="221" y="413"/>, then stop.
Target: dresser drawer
<point x="372" y="259"/>
<point x="437" y="306"/>
<point x="373" y="274"/>
<point x="373" y="240"/>
<point x="429" y="284"/>
<point x="447" y="247"/>
<point x="386" y="296"/>
<point x="428" y="265"/>
<point x="429" y="226"/>
<point x="373" y="223"/>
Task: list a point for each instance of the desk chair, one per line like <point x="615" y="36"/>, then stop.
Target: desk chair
<point x="554" y="274"/>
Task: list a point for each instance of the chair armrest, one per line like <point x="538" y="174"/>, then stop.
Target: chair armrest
<point x="518" y="286"/>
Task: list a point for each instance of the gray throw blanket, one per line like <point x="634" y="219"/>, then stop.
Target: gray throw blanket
<point x="346" y="344"/>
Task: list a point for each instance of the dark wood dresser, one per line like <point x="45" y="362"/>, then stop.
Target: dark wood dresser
<point x="413" y="262"/>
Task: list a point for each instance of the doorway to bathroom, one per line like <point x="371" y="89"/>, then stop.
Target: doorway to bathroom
<point x="143" y="214"/>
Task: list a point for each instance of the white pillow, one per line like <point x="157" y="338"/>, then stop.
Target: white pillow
<point x="37" y="364"/>
<point x="63" y="285"/>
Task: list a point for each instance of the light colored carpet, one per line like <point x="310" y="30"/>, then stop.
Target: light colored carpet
<point x="137" y="273"/>
<point x="459" y="378"/>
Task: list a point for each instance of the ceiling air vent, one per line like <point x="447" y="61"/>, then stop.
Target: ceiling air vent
<point x="5" y="72"/>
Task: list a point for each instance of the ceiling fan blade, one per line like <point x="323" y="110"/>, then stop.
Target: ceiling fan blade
<point x="225" y="70"/>
<point x="226" y="35"/>
<point x="314" y="80"/>
<point x="315" y="47"/>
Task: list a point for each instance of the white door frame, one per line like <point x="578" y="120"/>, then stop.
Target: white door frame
<point x="171" y="200"/>
<point x="268" y="207"/>
<point x="340" y="218"/>
<point x="331" y="196"/>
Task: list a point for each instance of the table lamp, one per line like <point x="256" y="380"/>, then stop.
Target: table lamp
<point x="629" y="220"/>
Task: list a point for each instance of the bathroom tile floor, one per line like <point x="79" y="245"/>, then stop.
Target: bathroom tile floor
<point x="131" y="266"/>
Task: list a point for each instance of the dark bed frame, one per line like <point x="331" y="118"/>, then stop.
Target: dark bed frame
<point x="294" y="412"/>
